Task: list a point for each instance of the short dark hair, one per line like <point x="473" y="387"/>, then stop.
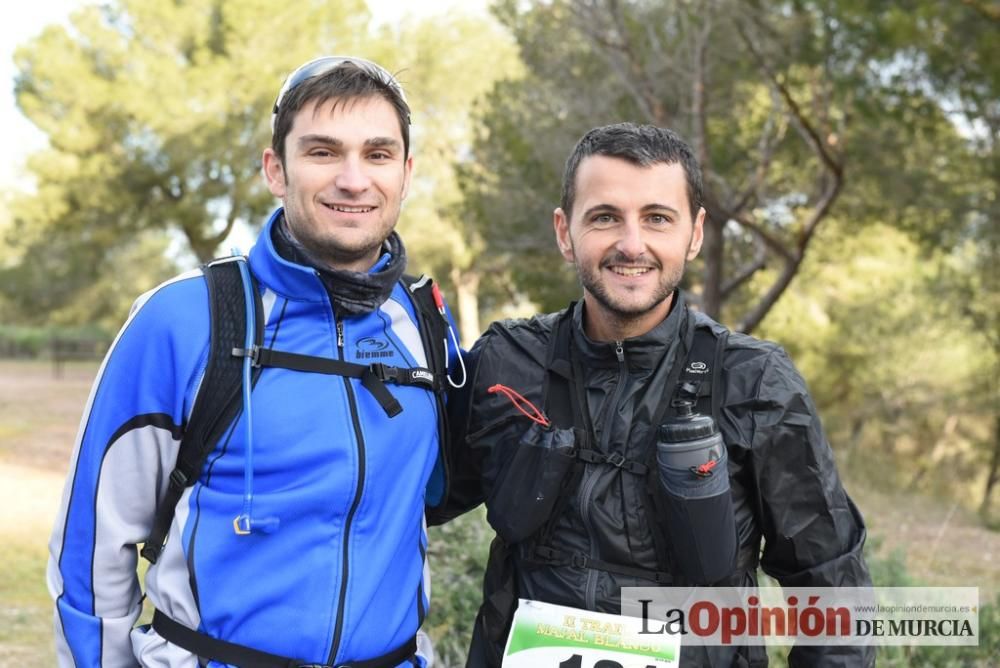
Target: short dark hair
<point x="344" y="83"/>
<point x="641" y="145"/>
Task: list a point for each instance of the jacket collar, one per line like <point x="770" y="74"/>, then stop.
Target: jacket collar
<point x="641" y="352"/>
<point x="293" y="281"/>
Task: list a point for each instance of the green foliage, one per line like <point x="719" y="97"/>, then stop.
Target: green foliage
<point x="890" y="571"/>
<point x="900" y="371"/>
<point x="590" y="64"/>
<point x="870" y="88"/>
<point x="20" y="341"/>
<point x="985" y="655"/>
<point x="458" y="552"/>
<point x="156" y="113"/>
<point x="446" y="63"/>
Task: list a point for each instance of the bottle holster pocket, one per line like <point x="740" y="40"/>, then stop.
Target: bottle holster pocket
<point x="700" y="524"/>
<point x="529" y="483"/>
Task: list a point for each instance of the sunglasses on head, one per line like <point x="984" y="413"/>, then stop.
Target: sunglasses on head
<point x="321" y="66"/>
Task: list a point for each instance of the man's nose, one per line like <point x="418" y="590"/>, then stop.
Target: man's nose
<point x="352" y="178"/>
<point x="631" y="243"/>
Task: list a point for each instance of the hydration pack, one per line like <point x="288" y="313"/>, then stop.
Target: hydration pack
<point x="217" y="403"/>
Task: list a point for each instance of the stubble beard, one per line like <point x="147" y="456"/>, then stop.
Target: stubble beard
<point x="325" y="249"/>
<point x="624" y="312"/>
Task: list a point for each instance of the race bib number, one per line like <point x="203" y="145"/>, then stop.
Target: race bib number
<point x="544" y="635"/>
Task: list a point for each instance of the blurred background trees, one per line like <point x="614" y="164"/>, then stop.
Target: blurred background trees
<point x="851" y="155"/>
<point x="157" y="114"/>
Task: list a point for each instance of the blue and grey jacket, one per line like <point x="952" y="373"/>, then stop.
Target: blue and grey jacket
<point x="344" y="575"/>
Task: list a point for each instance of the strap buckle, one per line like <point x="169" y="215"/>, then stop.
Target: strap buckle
<point x="253" y="353"/>
<point x="178" y="479"/>
<point x="579" y="560"/>
<point x="545" y="552"/>
<point x="384" y="372"/>
<point x="616" y="459"/>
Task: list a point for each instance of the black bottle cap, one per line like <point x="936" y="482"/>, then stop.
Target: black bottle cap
<point x="687" y="426"/>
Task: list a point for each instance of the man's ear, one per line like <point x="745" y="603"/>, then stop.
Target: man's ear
<point x="560" y="222"/>
<point x="274" y="173"/>
<point x="697" y="235"/>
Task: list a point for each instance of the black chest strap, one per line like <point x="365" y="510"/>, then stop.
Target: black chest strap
<point x="373" y="376"/>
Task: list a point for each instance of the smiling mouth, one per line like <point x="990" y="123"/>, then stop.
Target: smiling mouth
<point x="631" y="271"/>
<point x="349" y="209"/>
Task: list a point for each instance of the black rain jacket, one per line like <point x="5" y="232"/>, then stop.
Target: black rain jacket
<point x="784" y="484"/>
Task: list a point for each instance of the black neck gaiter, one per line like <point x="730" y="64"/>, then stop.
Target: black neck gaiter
<point x="351" y="292"/>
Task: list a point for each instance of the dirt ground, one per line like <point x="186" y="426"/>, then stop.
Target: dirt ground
<point x="941" y="544"/>
<point x="39" y="416"/>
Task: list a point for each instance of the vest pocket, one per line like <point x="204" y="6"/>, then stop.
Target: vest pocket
<point x="529" y="483"/>
<point x="700" y="524"/>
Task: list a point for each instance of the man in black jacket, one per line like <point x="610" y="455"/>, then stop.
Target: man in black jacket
<point x="559" y="429"/>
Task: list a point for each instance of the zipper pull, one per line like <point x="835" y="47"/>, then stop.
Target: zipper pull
<point x="340" y="334"/>
<point x="620" y="351"/>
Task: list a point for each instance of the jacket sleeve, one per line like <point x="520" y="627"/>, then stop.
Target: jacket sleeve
<point x="465" y="490"/>
<point x="126" y="447"/>
<point x="813" y="532"/>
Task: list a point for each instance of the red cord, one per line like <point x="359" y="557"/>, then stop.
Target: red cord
<point x="438" y="299"/>
<point x="706" y="468"/>
<point x="520" y="402"/>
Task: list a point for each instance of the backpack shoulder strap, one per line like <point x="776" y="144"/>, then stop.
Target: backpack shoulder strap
<point x="432" y="324"/>
<point x="696" y="372"/>
<point x="700" y="372"/>
<point x="217" y="402"/>
<point x="558" y="395"/>
<point x="433" y="327"/>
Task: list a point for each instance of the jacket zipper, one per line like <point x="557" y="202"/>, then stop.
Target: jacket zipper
<point x="339" y="627"/>
<point x="588" y="489"/>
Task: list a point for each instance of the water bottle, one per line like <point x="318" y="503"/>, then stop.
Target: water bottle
<point x="690" y="440"/>
<point x="692" y="462"/>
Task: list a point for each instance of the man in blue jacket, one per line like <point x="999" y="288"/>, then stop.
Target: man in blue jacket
<point x="302" y="540"/>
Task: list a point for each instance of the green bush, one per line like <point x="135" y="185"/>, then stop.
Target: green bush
<point x="890" y="571"/>
<point x="458" y="552"/>
<point x="35" y="342"/>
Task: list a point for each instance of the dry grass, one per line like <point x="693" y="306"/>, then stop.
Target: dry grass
<point x="39" y="415"/>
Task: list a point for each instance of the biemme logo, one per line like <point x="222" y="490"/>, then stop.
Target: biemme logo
<point x="370" y="348"/>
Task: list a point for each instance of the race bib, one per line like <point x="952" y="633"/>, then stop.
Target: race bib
<point x="544" y="635"/>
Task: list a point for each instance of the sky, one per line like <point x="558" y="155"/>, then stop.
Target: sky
<point x="19" y="23"/>
<point x="18" y="137"/>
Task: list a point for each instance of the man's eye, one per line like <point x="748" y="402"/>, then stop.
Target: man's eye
<point x="658" y="219"/>
<point x="320" y="153"/>
<point x="379" y="155"/>
<point x="604" y="218"/>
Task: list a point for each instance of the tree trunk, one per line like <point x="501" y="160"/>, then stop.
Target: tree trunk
<point x="994" y="474"/>
<point x="467" y="301"/>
